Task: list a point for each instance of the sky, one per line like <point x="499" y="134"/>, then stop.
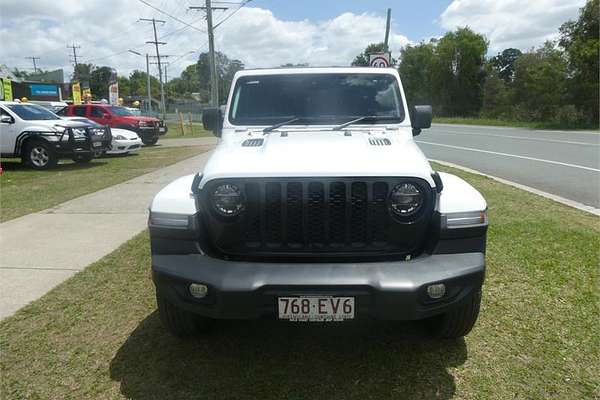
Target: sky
<point x="263" y="33"/>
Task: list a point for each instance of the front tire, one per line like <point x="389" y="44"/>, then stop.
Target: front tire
<point x="83" y="158"/>
<point x="179" y="322"/>
<point x="150" y="141"/>
<point x="39" y="155"/>
<point x="458" y="322"/>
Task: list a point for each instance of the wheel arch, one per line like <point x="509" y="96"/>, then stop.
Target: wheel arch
<point x="26" y="137"/>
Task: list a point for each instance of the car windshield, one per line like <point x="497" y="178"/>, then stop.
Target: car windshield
<point x="122" y="111"/>
<point x="32" y="112"/>
<point x="316" y="98"/>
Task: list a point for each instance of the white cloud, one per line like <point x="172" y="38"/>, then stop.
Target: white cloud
<point x="511" y="23"/>
<point x="254" y="35"/>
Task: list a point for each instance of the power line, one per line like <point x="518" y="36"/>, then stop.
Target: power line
<point x="231" y="15"/>
<point x="156" y="43"/>
<point x="171" y="16"/>
<point x="34" y="65"/>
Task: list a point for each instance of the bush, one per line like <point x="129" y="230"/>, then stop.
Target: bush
<point x="568" y="116"/>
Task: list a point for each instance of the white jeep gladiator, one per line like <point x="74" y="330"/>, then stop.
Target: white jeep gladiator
<point x="317" y="205"/>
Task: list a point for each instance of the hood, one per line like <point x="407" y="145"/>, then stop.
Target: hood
<point x="55" y="124"/>
<point x="135" y="118"/>
<point x="126" y="133"/>
<point x="318" y="153"/>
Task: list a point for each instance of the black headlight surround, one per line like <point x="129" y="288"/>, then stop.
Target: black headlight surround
<point x="414" y="214"/>
<point x="219" y="210"/>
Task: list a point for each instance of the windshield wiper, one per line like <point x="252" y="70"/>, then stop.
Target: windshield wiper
<point x="363" y="118"/>
<point x="280" y="124"/>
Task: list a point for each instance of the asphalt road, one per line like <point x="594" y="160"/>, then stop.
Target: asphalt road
<point x="563" y="163"/>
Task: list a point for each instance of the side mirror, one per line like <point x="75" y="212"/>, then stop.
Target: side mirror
<point x="6" y="119"/>
<point x="106" y="116"/>
<point x="212" y="120"/>
<point x="421" y="118"/>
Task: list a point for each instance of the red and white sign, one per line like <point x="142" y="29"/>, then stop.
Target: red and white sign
<point x="379" y="60"/>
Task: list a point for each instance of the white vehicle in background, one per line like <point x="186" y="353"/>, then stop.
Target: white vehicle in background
<point x="134" y="111"/>
<point x="123" y="141"/>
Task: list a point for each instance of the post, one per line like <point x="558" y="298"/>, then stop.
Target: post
<point x="162" y="89"/>
<point x="191" y="126"/>
<point x="148" y="88"/>
<point x="387" y="29"/>
<point x="181" y="124"/>
<point x="214" y="90"/>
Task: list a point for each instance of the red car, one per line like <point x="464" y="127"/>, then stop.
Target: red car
<point x="148" y="128"/>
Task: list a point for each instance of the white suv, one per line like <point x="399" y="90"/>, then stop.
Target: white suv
<point x="40" y="137"/>
<point x="317" y="205"/>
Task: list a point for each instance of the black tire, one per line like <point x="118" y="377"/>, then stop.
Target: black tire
<point x="150" y="141"/>
<point x="179" y="322"/>
<point x="459" y="321"/>
<point x="39" y="155"/>
<point x="83" y="158"/>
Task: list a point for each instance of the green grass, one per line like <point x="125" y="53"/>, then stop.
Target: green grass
<point x="24" y="190"/>
<point x="498" y="122"/>
<point x="196" y="130"/>
<point x="98" y="335"/>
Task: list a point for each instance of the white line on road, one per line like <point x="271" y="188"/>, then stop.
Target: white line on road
<point x="521" y="137"/>
<point x="559" y="199"/>
<point x="511" y="155"/>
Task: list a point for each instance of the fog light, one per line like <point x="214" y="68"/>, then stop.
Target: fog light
<point x="436" y="291"/>
<point x="198" y="290"/>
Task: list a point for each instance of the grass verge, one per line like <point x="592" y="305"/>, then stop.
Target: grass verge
<point x="24" y="190"/>
<point x="500" y="122"/>
<point x="97" y="335"/>
<point x="196" y="130"/>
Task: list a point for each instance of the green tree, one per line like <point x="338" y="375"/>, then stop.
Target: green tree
<point x="496" y="95"/>
<point x="580" y="40"/>
<point x="504" y="63"/>
<point x="458" y="73"/>
<point x="415" y="70"/>
<point x="226" y="68"/>
<point x="124" y="88"/>
<point x="362" y="60"/>
<point x="540" y="83"/>
<point x="99" y="80"/>
<point x="137" y="84"/>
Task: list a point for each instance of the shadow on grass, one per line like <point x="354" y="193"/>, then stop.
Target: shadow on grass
<point x="269" y="359"/>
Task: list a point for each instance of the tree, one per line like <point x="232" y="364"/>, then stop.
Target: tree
<point x="226" y="68"/>
<point x="362" y="60"/>
<point x="496" y="95"/>
<point x="540" y="83"/>
<point x="458" y="73"/>
<point x="580" y="40"/>
<point x="415" y="70"/>
<point x="99" y="80"/>
<point x="504" y="63"/>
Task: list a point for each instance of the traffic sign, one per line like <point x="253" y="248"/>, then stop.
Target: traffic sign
<point x="379" y="60"/>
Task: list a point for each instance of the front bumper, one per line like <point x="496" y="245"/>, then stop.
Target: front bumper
<point x="125" y="146"/>
<point x="391" y="290"/>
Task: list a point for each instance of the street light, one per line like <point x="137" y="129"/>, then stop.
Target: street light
<point x="147" y="78"/>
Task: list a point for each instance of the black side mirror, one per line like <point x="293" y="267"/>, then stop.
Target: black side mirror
<point x="421" y="118"/>
<point x="212" y="120"/>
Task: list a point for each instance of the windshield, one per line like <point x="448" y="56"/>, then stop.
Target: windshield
<point x="330" y="98"/>
<point x="120" y="111"/>
<point x="32" y="112"/>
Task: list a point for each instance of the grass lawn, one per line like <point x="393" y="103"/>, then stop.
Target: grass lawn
<point x="24" y="190"/>
<point x="498" y="122"/>
<point x="98" y="335"/>
<point x="196" y="130"/>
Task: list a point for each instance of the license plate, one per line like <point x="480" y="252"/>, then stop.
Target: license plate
<point x="161" y="130"/>
<point x="97" y="144"/>
<point x="316" y="308"/>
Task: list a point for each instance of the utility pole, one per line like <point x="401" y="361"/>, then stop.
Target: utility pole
<point x="387" y="29"/>
<point x="34" y="65"/>
<point x="156" y="43"/>
<point x="148" y="89"/>
<point x="74" y="47"/>
<point x="214" y="89"/>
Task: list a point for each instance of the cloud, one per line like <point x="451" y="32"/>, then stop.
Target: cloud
<point x="106" y="30"/>
<point x="511" y="23"/>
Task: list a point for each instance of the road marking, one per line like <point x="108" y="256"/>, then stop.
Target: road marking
<point x="520" y="128"/>
<point x="521" y="137"/>
<point x="511" y="155"/>
<point x="559" y="199"/>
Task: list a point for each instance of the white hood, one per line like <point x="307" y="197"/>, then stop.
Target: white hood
<point x="313" y="153"/>
<point x="126" y="133"/>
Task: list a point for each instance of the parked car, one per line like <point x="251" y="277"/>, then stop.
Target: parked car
<point x="149" y="129"/>
<point x="53" y="106"/>
<point x="40" y="137"/>
<point x="318" y="205"/>
<point x="123" y="141"/>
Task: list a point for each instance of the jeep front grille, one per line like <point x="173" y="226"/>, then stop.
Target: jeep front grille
<point x="315" y="216"/>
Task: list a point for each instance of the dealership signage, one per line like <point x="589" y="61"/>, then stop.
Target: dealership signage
<point x="7" y="89"/>
<point x="38" y="90"/>
<point x="76" y="93"/>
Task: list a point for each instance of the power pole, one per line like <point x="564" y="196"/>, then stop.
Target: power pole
<point x="74" y="47"/>
<point x="156" y="43"/>
<point x="148" y="83"/>
<point x="387" y="29"/>
<point x="214" y="89"/>
<point x="34" y="65"/>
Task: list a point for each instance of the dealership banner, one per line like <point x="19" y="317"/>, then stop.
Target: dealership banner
<point x="86" y="93"/>
<point x="7" y="89"/>
<point x="38" y="90"/>
<point x="113" y="94"/>
<point x="76" y="93"/>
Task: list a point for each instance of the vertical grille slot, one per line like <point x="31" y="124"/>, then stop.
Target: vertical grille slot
<point x="316" y="214"/>
<point x="294" y="222"/>
<point x="379" y="217"/>
<point x="358" y="214"/>
<point x="272" y="213"/>
<point x="337" y="213"/>
<point x="252" y="215"/>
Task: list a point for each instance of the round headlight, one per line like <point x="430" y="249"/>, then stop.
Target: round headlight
<point x="228" y="200"/>
<point x="406" y="199"/>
